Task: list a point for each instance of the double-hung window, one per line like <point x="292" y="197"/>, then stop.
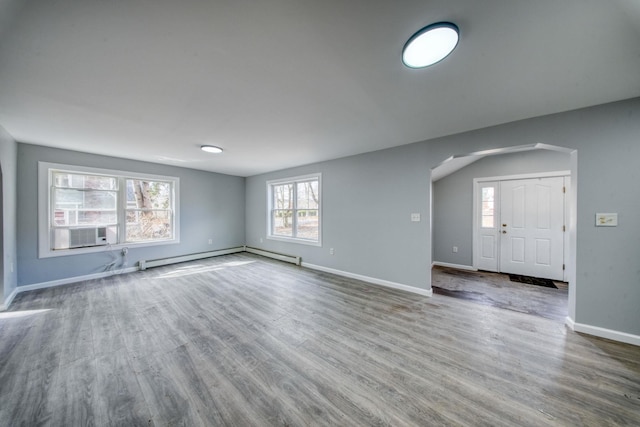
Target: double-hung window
<point x="294" y="209"/>
<point x="83" y="209"/>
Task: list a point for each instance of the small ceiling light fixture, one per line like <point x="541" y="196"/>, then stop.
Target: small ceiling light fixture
<point x="211" y="149"/>
<point x="430" y="45"/>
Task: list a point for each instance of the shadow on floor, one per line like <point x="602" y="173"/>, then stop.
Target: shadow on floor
<point x="496" y="290"/>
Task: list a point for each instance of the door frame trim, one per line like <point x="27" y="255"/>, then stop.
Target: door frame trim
<point x="474" y="215"/>
<point x="551" y="174"/>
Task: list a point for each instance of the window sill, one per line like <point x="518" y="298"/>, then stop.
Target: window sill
<point x="294" y="240"/>
<point x="103" y="248"/>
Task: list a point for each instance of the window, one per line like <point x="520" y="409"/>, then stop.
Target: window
<point x="488" y="207"/>
<point x="148" y="211"/>
<point x="82" y="209"/>
<point x="294" y="209"/>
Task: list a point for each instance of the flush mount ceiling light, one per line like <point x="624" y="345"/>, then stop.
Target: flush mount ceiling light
<point x="211" y="149"/>
<point x="430" y="45"/>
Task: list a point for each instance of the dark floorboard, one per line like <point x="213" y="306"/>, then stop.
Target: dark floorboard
<point x="496" y="290"/>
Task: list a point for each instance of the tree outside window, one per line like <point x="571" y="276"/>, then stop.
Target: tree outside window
<point x="148" y="213"/>
<point x="295" y="209"/>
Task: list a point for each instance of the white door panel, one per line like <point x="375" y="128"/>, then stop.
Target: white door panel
<point x="516" y="254"/>
<point x="486" y="219"/>
<point x="532" y="219"/>
<point x="514" y="206"/>
<point x="543" y="206"/>
<point x="543" y="252"/>
<point x="488" y="248"/>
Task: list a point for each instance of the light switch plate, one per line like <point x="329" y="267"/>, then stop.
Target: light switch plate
<point x="415" y="217"/>
<point x="606" y="220"/>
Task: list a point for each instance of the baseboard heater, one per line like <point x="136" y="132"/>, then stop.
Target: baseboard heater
<point x="275" y="255"/>
<point x="144" y="264"/>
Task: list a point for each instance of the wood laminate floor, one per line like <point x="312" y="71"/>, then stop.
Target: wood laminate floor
<point x="497" y="290"/>
<point x="241" y="340"/>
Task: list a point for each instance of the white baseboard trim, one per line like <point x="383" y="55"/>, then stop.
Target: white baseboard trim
<point x="8" y="300"/>
<point x="75" y="279"/>
<point x="457" y="266"/>
<point x="570" y="323"/>
<point x="386" y="283"/>
<point x="609" y="334"/>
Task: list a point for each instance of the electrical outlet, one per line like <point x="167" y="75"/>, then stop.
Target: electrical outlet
<point x="606" y="220"/>
<point x="415" y="217"/>
<point x="455" y="249"/>
<point x="332" y="251"/>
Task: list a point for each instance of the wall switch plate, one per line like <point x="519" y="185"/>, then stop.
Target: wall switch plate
<point x="606" y="220"/>
<point x="415" y="217"/>
<point x="455" y="249"/>
<point x="211" y="241"/>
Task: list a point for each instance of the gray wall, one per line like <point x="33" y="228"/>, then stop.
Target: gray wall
<point x="8" y="160"/>
<point x="390" y="184"/>
<point x="453" y="198"/>
<point x="211" y="206"/>
<point x="366" y="205"/>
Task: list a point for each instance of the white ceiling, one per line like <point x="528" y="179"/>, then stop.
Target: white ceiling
<point x="280" y="83"/>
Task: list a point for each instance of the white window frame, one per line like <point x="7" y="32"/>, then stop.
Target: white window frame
<point x="44" y="209"/>
<point x="294" y="180"/>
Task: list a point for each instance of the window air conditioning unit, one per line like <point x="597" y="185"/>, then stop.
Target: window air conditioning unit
<point x="79" y="237"/>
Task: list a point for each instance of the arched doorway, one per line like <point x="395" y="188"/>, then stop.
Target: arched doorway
<point x="460" y="161"/>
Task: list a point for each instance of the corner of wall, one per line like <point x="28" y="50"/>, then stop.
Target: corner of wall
<point x="8" y="163"/>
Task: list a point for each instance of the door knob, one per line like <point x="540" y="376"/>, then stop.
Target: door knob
<point x="504" y="225"/>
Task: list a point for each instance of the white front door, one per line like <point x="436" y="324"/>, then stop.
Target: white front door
<point x="519" y="226"/>
<point x="532" y="227"/>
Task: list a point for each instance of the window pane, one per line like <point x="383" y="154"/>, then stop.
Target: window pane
<point x="282" y="222"/>
<point x="78" y="199"/>
<point x="488" y="206"/>
<point x="77" y="207"/>
<point x="148" y="225"/>
<point x="307" y="225"/>
<point x="307" y="193"/>
<point x="83" y="217"/>
<point x="148" y="194"/>
<point x="283" y="196"/>
<point x="487" y="194"/>
<point x="95" y="182"/>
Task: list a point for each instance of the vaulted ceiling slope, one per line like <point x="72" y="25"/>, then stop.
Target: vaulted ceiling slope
<point x="280" y="83"/>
